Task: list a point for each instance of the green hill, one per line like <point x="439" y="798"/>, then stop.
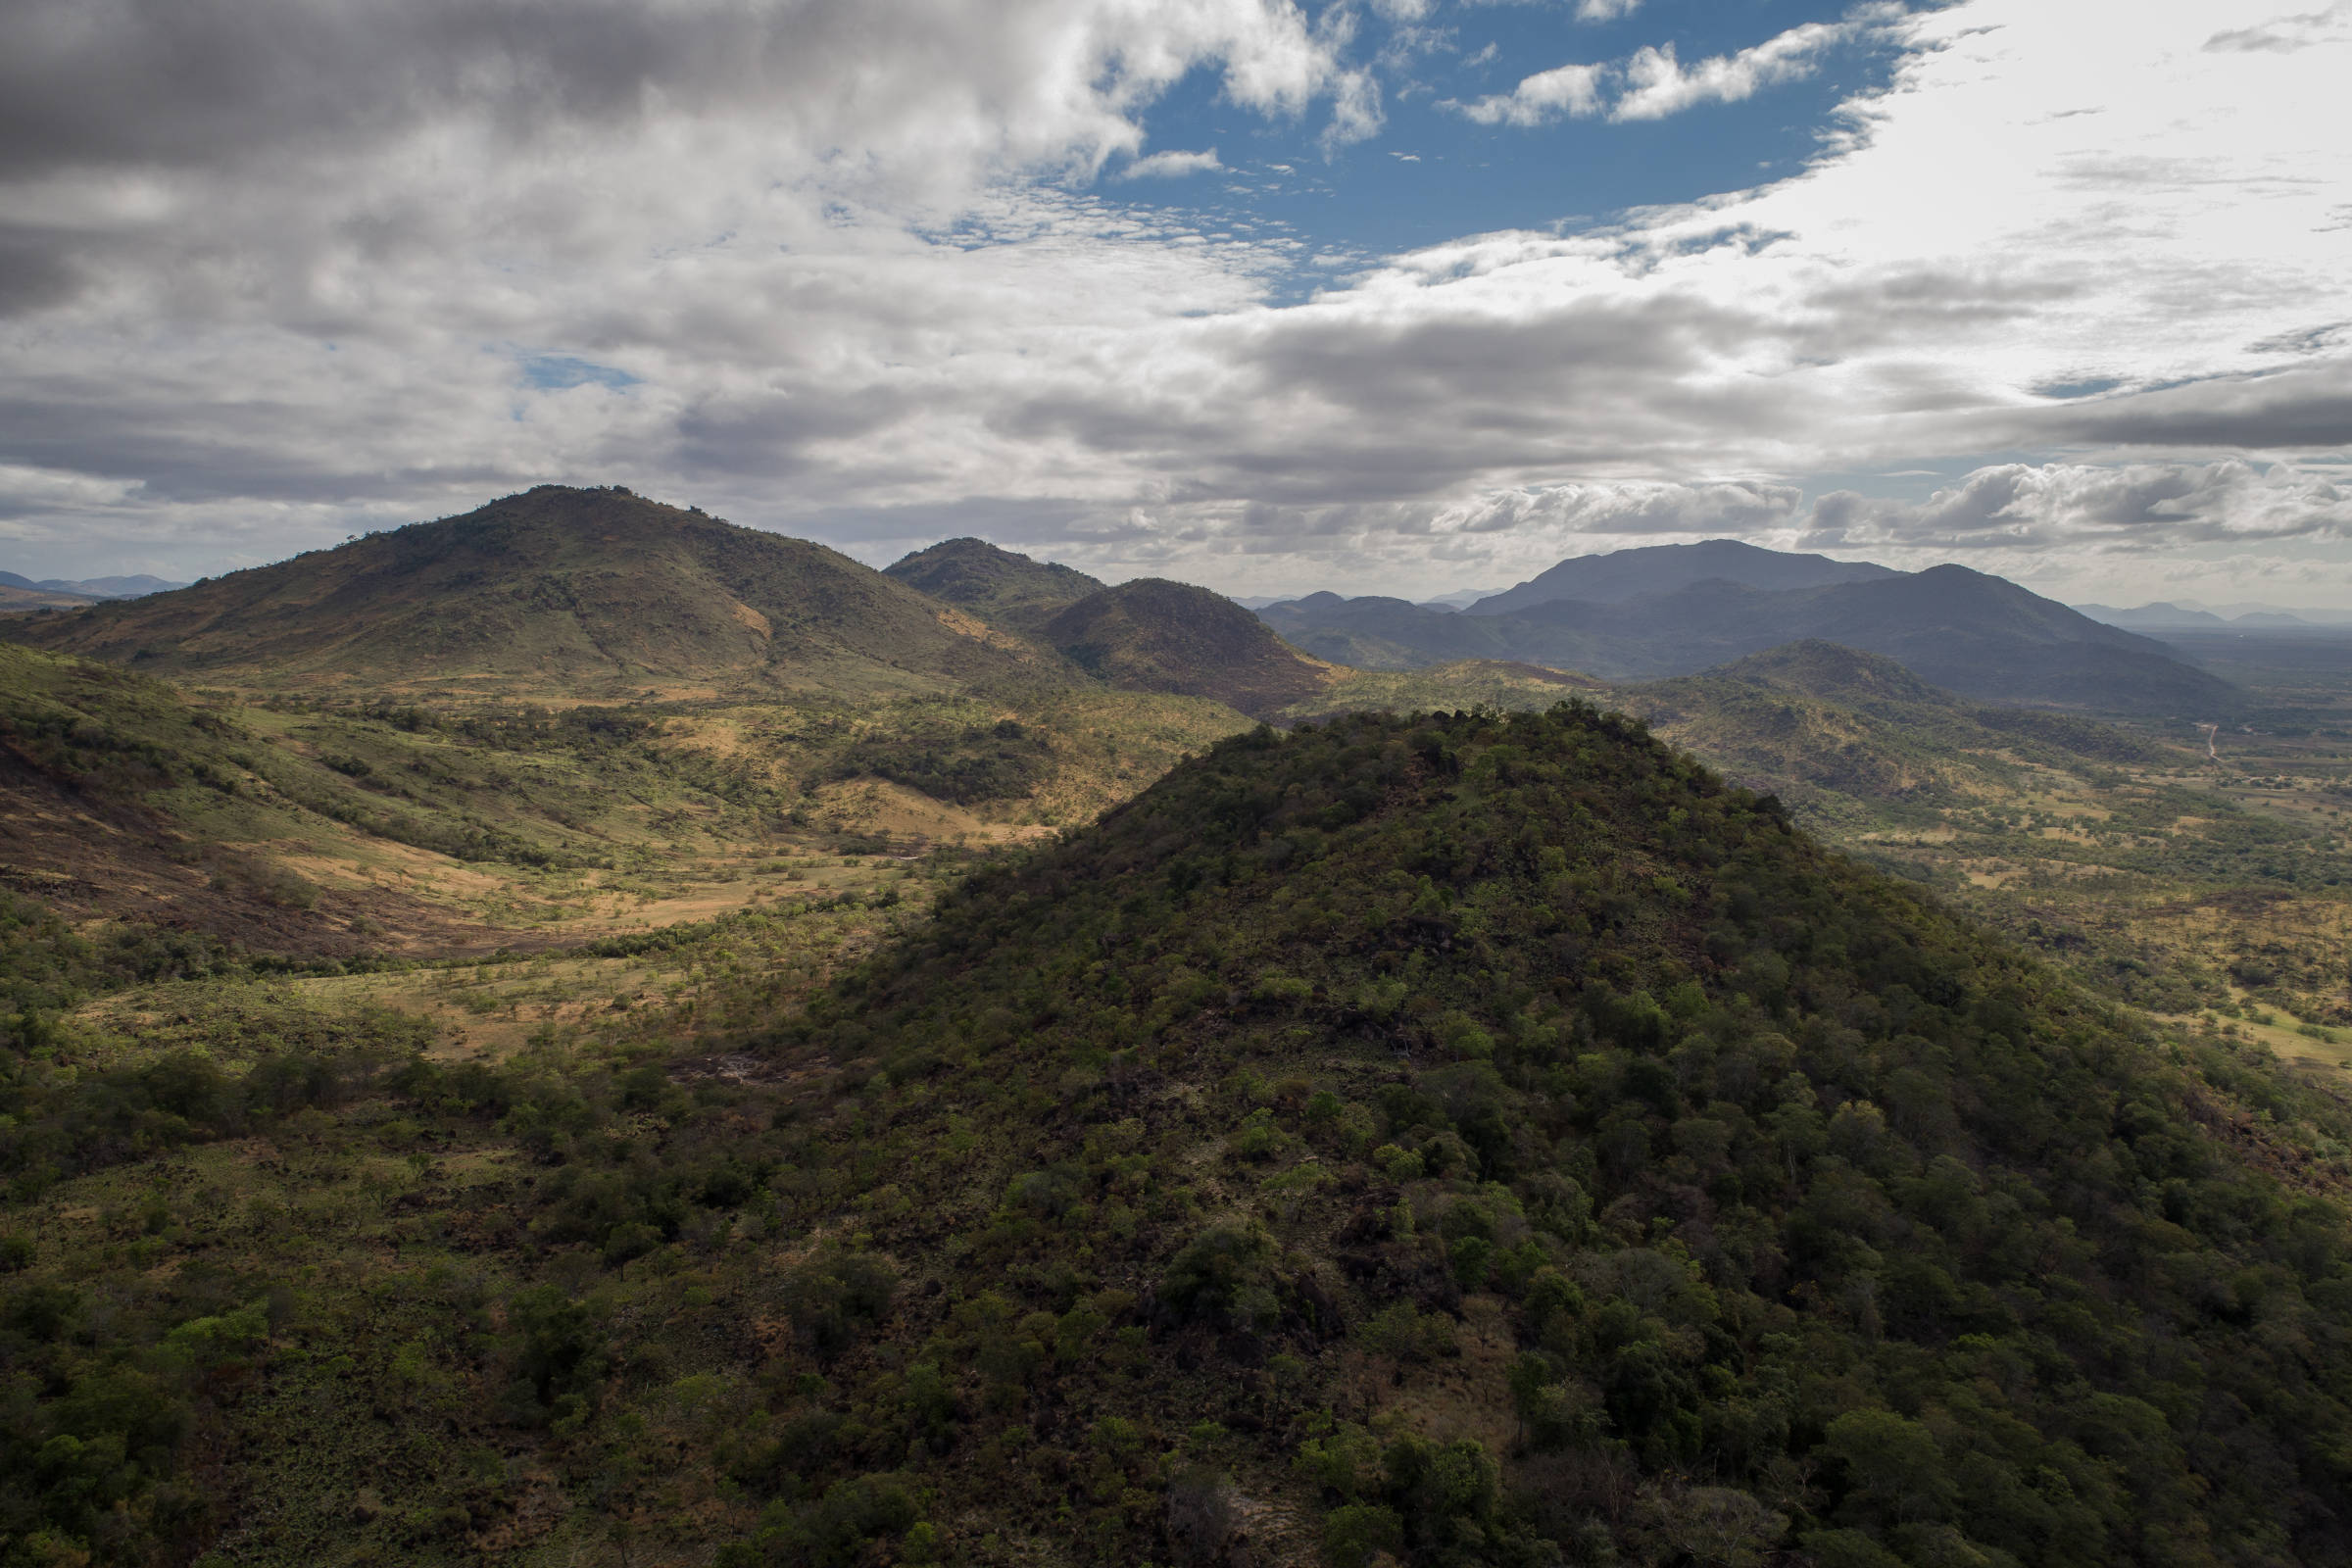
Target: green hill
<point x="1000" y="586"/>
<point x="1507" y="1144"/>
<point x="1440" y="1141"/>
<point x="1152" y="635"/>
<point x="555" y="591"/>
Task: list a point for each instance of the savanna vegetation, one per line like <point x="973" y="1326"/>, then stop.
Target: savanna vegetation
<point x="1471" y="1139"/>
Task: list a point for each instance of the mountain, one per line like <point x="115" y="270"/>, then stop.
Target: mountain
<point x="1494" y="1141"/>
<point x="1814" y="720"/>
<point x="113" y="587"/>
<point x="1152" y="635"/>
<point x="1375" y="632"/>
<point x="1977" y="635"/>
<point x="553" y="590"/>
<point x="2151" y="616"/>
<point x="999" y="586"/>
<point x="2193" y="617"/>
<point x="1624" y="574"/>
<point x="59" y="589"/>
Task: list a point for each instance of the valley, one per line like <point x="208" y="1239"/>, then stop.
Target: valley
<point x="998" y="1069"/>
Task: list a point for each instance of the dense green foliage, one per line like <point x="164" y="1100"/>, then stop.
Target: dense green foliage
<point x="979" y="762"/>
<point x="1817" y="1217"/>
<point x="1478" y="1140"/>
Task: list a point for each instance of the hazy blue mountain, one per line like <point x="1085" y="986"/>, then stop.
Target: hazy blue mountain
<point x="90" y="587"/>
<point x="134" y="587"/>
<point x="1979" y="635"/>
<point x="1624" y="574"/>
<point x="2153" y="616"/>
<point x="2163" y="615"/>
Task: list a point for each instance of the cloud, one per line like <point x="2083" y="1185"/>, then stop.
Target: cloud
<point x="1168" y="163"/>
<point x="1574" y="512"/>
<point x="2307" y="406"/>
<point x="273" y="271"/>
<point x="2140" y="508"/>
<point x="1606" y="10"/>
<point x="1652" y="83"/>
<point x="1542" y="98"/>
<point x="1659" y="85"/>
<point x="2283" y="34"/>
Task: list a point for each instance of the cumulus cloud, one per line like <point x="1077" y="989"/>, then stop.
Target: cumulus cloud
<point x="1652" y="83"/>
<point x="1163" y="165"/>
<point x="1657" y="84"/>
<point x="1580" y="511"/>
<point x="2137" y="508"/>
<point x="1544" y="97"/>
<point x="271" y="270"/>
<point x="1606" y="10"/>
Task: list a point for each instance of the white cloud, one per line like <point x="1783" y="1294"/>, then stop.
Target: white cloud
<point x="1658" y="84"/>
<point x="1168" y="164"/>
<point x="1606" y="10"/>
<point x="1571" y="513"/>
<point x="1541" y="98"/>
<point x="243" y="316"/>
<point x="2134" y="507"/>
<point x="1652" y="83"/>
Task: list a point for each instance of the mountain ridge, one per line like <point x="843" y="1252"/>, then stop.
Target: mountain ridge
<point x="1153" y="634"/>
<point x="1619" y="575"/>
<point x="554" y="588"/>
<point x="998" y="585"/>
<point x="1979" y="635"/>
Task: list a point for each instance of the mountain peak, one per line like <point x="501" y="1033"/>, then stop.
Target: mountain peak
<point x="996" y="584"/>
<point x="1623" y="574"/>
<point x="557" y="588"/>
<point x="1152" y="634"/>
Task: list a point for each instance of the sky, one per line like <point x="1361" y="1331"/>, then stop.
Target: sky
<point x="1394" y="296"/>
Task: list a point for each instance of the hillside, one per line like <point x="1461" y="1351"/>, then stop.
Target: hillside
<point x="312" y="830"/>
<point x="16" y="601"/>
<point x="1974" y="634"/>
<point x="1151" y="635"/>
<point x="1000" y="586"/>
<point x="1825" y="724"/>
<point x="1471" y="1139"/>
<point x="556" y="591"/>
<point x="1576" y="1131"/>
<point x="1623" y="574"/>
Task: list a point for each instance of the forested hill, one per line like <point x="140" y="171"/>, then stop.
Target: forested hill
<point x="1494" y="1140"/>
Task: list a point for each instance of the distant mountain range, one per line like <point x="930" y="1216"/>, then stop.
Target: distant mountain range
<point x="1650" y="615"/>
<point x="58" y="593"/>
<point x="604" y="594"/>
<point x="2163" y="615"/>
